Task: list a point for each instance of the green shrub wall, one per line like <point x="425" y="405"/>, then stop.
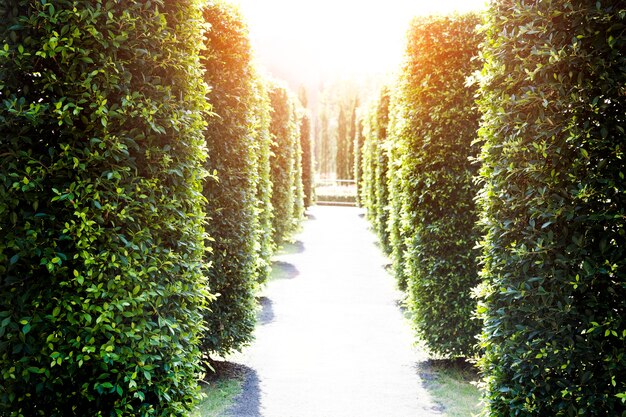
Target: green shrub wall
<point x="366" y="182"/>
<point x="398" y="225"/>
<point x="264" y="210"/>
<point x="553" y="208"/>
<point x="374" y="188"/>
<point x="307" y="157"/>
<point x="101" y="242"/>
<point x="297" y="185"/>
<point x="359" y="143"/>
<point x="287" y="198"/>
<point x="436" y="231"/>
<point x="232" y="196"/>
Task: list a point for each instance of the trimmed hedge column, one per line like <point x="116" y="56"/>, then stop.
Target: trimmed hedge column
<point x="433" y="181"/>
<point x="286" y="168"/>
<point x="374" y="190"/>
<point x="554" y="208"/>
<point x="262" y="150"/>
<point x="101" y="217"/>
<point x="231" y="198"/>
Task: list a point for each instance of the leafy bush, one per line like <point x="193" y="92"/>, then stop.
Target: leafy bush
<point x="433" y="141"/>
<point x="231" y="200"/>
<point x="381" y="163"/>
<point x="553" y="208"/>
<point x="297" y="185"/>
<point x="264" y="211"/>
<point x="307" y="163"/>
<point x="101" y="152"/>
<point x="285" y="163"/>
<point x="307" y="157"/>
<point x="366" y="187"/>
<point x="359" y="143"/>
<point x="374" y="187"/>
<point x="398" y="225"/>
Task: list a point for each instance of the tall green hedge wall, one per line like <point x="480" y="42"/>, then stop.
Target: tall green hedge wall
<point x="101" y="242"/>
<point x="359" y="143"/>
<point x="307" y="150"/>
<point x="399" y="222"/>
<point x="232" y="196"/>
<point x="553" y="208"/>
<point x="436" y="231"/>
<point x="374" y="191"/>
<point x="264" y="210"/>
<point x="286" y="165"/>
<point x="307" y="160"/>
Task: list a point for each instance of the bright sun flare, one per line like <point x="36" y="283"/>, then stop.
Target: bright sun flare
<point x="325" y="37"/>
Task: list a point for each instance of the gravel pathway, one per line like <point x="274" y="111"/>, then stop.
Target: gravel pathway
<point x="332" y="341"/>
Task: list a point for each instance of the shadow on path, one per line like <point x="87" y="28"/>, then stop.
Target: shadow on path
<point x="283" y="270"/>
<point x="248" y="403"/>
<point x="291" y="248"/>
<point x="266" y="315"/>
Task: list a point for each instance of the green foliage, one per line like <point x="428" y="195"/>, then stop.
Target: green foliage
<point x="346" y="131"/>
<point x="264" y="211"/>
<point x="307" y="162"/>
<point x="398" y="225"/>
<point x="231" y="199"/>
<point x="374" y="189"/>
<point x="381" y="168"/>
<point x="553" y="208"/>
<point x="296" y="184"/>
<point x="307" y="151"/>
<point x="101" y="242"/>
<point x="285" y="162"/>
<point x="359" y="143"/>
<point x="434" y="216"/>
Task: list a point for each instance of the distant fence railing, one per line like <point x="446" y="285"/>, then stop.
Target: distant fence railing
<point x="335" y="192"/>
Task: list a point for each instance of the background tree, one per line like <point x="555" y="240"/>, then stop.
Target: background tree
<point x="352" y="138"/>
<point x="102" y="242"/>
<point x="342" y="144"/>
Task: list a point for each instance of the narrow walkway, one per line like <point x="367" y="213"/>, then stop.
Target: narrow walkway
<point x="332" y="341"/>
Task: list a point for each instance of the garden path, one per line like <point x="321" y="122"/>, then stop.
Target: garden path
<point x="331" y="340"/>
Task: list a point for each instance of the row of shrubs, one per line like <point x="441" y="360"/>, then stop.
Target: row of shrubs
<point x="147" y="173"/>
<point x="493" y="173"/>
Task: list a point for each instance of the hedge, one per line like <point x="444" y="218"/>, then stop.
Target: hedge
<point x="553" y="208"/>
<point x="367" y="190"/>
<point x="343" y="157"/>
<point x="398" y="224"/>
<point x="381" y="169"/>
<point x="436" y="230"/>
<point x="264" y="210"/>
<point x="232" y="196"/>
<point x="374" y="194"/>
<point x="359" y="143"/>
<point x="101" y="151"/>
<point x="285" y="163"/>
<point x="307" y="151"/>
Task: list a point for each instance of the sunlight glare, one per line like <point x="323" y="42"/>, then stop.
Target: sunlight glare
<point x="337" y="36"/>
